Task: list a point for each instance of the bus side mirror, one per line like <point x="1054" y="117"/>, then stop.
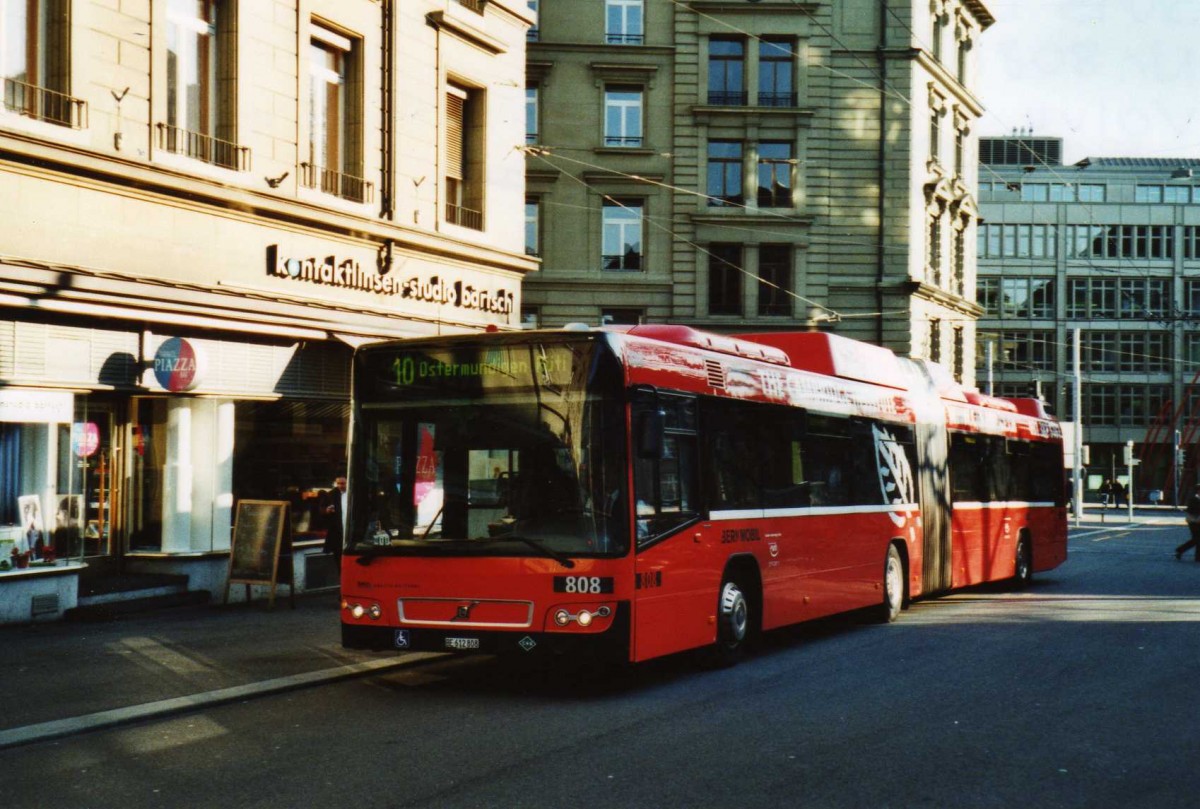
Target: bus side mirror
<point x="651" y="427"/>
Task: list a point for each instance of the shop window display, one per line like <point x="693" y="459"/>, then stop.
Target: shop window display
<point x="291" y="451"/>
<point x="36" y="525"/>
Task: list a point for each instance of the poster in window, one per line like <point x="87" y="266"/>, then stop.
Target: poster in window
<point x="33" y="529"/>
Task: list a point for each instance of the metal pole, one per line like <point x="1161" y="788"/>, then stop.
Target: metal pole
<point x="1129" y="490"/>
<point x="1178" y="469"/>
<point x="991" y="350"/>
<point x="1078" y="448"/>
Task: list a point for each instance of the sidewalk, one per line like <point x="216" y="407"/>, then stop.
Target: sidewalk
<point x="1142" y="515"/>
<point x="67" y="677"/>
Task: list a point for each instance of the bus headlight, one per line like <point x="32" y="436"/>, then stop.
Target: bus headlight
<point x="361" y="609"/>
<point x="563" y="617"/>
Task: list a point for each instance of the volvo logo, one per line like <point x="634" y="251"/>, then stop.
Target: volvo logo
<point x="463" y="613"/>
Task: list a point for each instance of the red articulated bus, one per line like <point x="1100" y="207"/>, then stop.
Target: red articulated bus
<point x="645" y="490"/>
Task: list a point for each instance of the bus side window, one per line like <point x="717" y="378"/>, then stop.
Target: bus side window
<point x="784" y="484"/>
<point x="664" y="482"/>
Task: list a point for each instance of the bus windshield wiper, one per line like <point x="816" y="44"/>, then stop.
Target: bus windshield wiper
<point x="537" y="546"/>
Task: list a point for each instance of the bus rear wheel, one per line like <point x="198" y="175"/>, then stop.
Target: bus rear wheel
<point x="1023" y="572"/>
<point x="893" y="587"/>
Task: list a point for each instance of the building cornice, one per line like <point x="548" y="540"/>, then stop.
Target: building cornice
<point x="569" y="282"/>
<point x="939" y="296"/>
<point x="980" y="12"/>
<point x="742" y="217"/>
<point x="543" y="49"/>
<point x="594" y="177"/>
<point x="106" y="172"/>
<point x="453" y="21"/>
<point x="773" y="7"/>
<point x="802" y="116"/>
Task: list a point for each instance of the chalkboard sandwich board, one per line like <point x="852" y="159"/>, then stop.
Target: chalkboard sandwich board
<point x="262" y="548"/>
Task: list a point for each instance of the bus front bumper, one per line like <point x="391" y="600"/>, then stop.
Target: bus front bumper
<point x="613" y="642"/>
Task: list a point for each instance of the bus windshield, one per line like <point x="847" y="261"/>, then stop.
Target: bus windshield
<point x="515" y="448"/>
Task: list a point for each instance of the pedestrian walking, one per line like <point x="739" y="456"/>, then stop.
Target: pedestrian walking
<point x="335" y="526"/>
<point x="1192" y="515"/>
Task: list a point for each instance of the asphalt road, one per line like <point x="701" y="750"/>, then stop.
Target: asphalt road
<point x="1079" y="692"/>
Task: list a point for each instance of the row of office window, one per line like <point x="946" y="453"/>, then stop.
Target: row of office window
<point x="1017" y="241"/>
<point x="197" y="119"/>
<point x="1152" y="193"/>
<point x="1015" y="297"/>
<point x="1087" y="241"/>
<point x="1088" y="297"/>
<point x="1122" y="405"/>
<point x="1100" y="351"/>
<point x="1104" y="404"/>
<point x="1121" y="241"/>
<point x="1011" y="191"/>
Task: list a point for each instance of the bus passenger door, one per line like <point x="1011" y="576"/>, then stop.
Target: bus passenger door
<point x="675" y="591"/>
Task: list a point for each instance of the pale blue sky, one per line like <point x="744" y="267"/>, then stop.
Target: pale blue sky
<point x="1112" y="78"/>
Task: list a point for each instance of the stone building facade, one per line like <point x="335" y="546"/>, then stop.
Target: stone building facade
<point x="749" y="166"/>
<point x="203" y="205"/>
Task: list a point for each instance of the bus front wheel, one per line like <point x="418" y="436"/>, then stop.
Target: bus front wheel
<point x="733" y="624"/>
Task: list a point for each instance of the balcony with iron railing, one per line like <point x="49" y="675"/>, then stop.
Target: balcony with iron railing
<point x="464" y="217"/>
<point x="623" y="141"/>
<point x="339" y="184"/>
<point x="629" y="261"/>
<point x="774" y="99"/>
<point x="624" y="39"/>
<point x="204" y="148"/>
<point x="727" y="98"/>
<point x="44" y="104"/>
<point x="473" y="5"/>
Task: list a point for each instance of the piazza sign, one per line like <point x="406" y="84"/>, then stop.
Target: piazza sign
<point x="177" y="365"/>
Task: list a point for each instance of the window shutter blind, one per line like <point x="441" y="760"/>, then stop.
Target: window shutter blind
<point x="454" y="136"/>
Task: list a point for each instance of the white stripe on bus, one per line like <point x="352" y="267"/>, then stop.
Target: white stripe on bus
<point x="808" y="511"/>
<point x="976" y="505"/>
